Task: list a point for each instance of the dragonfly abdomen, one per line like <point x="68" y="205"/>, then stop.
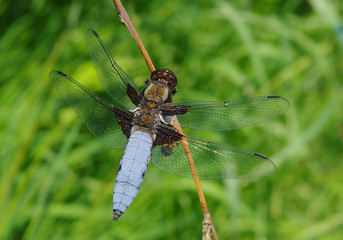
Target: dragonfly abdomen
<point x="131" y="171"/>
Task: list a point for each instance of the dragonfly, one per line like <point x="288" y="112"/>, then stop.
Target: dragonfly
<point x="141" y="121"/>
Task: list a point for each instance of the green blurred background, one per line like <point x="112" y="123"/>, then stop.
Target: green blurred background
<point x="57" y="179"/>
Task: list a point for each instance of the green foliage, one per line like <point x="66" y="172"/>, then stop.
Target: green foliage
<point x="57" y="179"/>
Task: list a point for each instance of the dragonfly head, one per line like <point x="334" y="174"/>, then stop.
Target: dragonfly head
<point x="166" y="75"/>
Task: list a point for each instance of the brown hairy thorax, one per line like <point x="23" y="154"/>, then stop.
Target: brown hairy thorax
<point x="157" y="92"/>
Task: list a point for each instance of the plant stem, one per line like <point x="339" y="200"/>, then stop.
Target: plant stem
<point x="208" y="226"/>
<point x="125" y="19"/>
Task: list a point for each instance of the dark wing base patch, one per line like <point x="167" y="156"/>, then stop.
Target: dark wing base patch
<point x="134" y="96"/>
<point x="174" y="110"/>
<point x="167" y="136"/>
<point x="124" y="120"/>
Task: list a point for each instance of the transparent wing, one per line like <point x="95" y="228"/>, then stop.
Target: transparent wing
<point x="96" y="113"/>
<point x="212" y="160"/>
<point x="227" y="115"/>
<point x="113" y="79"/>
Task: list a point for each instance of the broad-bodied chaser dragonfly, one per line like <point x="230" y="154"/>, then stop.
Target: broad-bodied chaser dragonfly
<point x="141" y="121"/>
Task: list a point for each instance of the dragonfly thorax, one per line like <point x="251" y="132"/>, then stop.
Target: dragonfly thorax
<point x="146" y="117"/>
<point x="157" y="92"/>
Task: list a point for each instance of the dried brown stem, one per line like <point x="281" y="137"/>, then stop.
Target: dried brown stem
<point x="208" y="227"/>
<point x="125" y="19"/>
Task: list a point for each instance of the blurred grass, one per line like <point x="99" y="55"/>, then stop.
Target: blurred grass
<point x="57" y="179"/>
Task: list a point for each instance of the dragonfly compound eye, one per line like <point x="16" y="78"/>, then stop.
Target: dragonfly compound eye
<point x="166" y="75"/>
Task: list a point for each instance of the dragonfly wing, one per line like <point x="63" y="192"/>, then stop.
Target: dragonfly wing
<point x="226" y="115"/>
<point x="212" y="160"/>
<point x="113" y="79"/>
<point x="96" y="113"/>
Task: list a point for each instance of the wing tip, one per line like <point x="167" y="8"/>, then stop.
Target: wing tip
<point x="273" y="96"/>
<point x="272" y="172"/>
<point x="276" y="96"/>
<point x="287" y="104"/>
<point x="61" y="73"/>
<point x="93" y="32"/>
<point x="260" y="155"/>
<point x="53" y="73"/>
